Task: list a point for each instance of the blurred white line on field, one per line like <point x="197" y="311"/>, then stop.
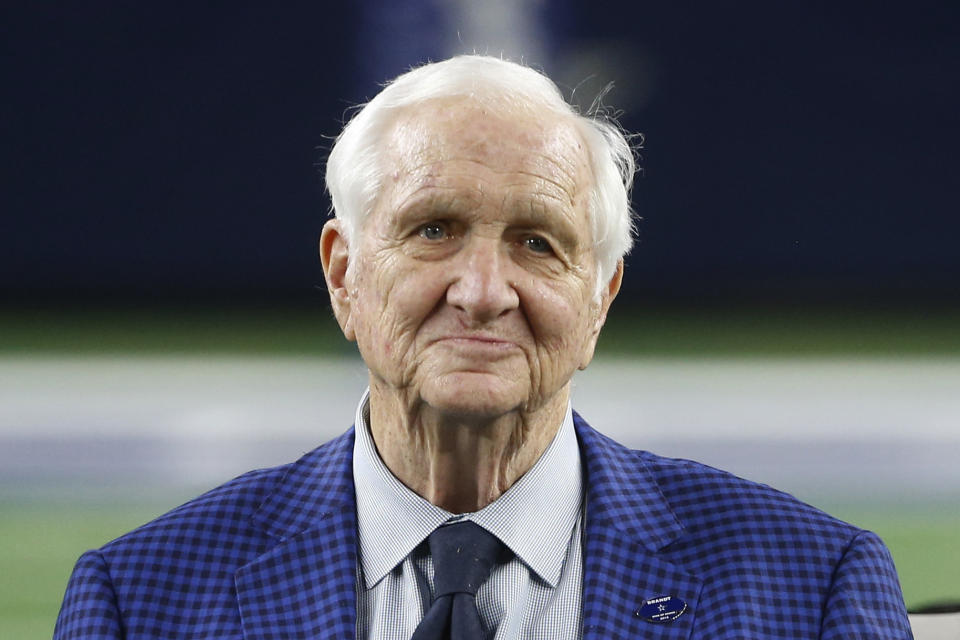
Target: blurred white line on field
<point x="199" y="398"/>
<point x="860" y="425"/>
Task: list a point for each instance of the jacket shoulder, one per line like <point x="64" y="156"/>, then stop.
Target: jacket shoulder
<point x="715" y="509"/>
<point x="221" y="518"/>
<point x="706" y="498"/>
<point x="175" y="575"/>
<point x="232" y="502"/>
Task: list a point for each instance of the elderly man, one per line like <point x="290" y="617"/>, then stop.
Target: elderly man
<point x="478" y="242"/>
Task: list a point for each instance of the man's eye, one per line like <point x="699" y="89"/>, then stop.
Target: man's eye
<point x="433" y="231"/>
<point x="537" y="244"/>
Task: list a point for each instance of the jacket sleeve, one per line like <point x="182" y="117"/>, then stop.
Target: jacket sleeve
<point x="865" y="601"/>
<point x="89" y="607"/>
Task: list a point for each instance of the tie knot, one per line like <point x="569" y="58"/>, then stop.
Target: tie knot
<point x="463" y="555"/>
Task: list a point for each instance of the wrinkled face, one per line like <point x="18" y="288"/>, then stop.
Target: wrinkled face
<point x="471" y="285"/>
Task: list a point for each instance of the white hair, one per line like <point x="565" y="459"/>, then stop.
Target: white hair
<point x="354" y="172"/>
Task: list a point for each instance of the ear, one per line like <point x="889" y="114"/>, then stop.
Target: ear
<point x="606" y="299"/>
<point x="335" y="258"/>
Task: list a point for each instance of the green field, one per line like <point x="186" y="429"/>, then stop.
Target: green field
<point x="39" y="543"/>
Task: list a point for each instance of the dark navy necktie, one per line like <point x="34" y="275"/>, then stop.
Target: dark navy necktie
<point x="463" y="555"/>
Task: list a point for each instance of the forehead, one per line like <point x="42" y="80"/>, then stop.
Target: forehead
<point x="454" y="144"/>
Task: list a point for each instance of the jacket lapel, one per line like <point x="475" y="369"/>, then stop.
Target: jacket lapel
<point x="304" y="587"/>
<point x="628" y="522"/>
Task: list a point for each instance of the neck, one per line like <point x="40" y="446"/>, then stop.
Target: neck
<point x="460" y="463"/>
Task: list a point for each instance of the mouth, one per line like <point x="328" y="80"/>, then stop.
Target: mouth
<point x="474" y="342"/>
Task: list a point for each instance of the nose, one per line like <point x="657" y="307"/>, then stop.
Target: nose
<point x="481" y="288"/>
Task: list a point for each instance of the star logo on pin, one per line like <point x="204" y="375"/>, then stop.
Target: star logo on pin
<point x="661" y="609"/>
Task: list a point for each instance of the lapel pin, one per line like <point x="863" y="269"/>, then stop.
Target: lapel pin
<point x="661" y="609"/>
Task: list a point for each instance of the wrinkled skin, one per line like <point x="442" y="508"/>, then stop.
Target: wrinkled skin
<point x="471" y="293"/>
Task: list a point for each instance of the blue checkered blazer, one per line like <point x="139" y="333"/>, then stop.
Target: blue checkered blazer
<point x="272" y="555"/>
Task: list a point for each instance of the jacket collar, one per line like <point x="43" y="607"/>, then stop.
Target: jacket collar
<point x="628" y="525"/>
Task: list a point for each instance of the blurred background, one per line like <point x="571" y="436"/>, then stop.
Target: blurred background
<point x="791" y="311"/>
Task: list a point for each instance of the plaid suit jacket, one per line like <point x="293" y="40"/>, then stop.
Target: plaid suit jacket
<point x="272" y="555"/>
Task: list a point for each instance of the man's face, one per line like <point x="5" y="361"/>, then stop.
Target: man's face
<point x="471" y="286"/>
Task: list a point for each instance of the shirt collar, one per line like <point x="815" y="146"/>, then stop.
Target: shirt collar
<point x="534" y="517"/>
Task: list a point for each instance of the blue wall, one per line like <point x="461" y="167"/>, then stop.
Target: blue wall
<point x="792" y="149"/>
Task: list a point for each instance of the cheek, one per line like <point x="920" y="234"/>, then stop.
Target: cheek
<point x="415" y="293"/>
<point x="374" y="278"/>
<point x="561" y="319"/>
<point x="369" y="307"/>
<point x="394" y="300"/>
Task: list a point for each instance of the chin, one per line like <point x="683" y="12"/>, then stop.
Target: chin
<point x="474" y="396"/>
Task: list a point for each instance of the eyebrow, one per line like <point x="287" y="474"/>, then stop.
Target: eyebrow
<point x="536" y="214"/>
<point x="426" y="203"/>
